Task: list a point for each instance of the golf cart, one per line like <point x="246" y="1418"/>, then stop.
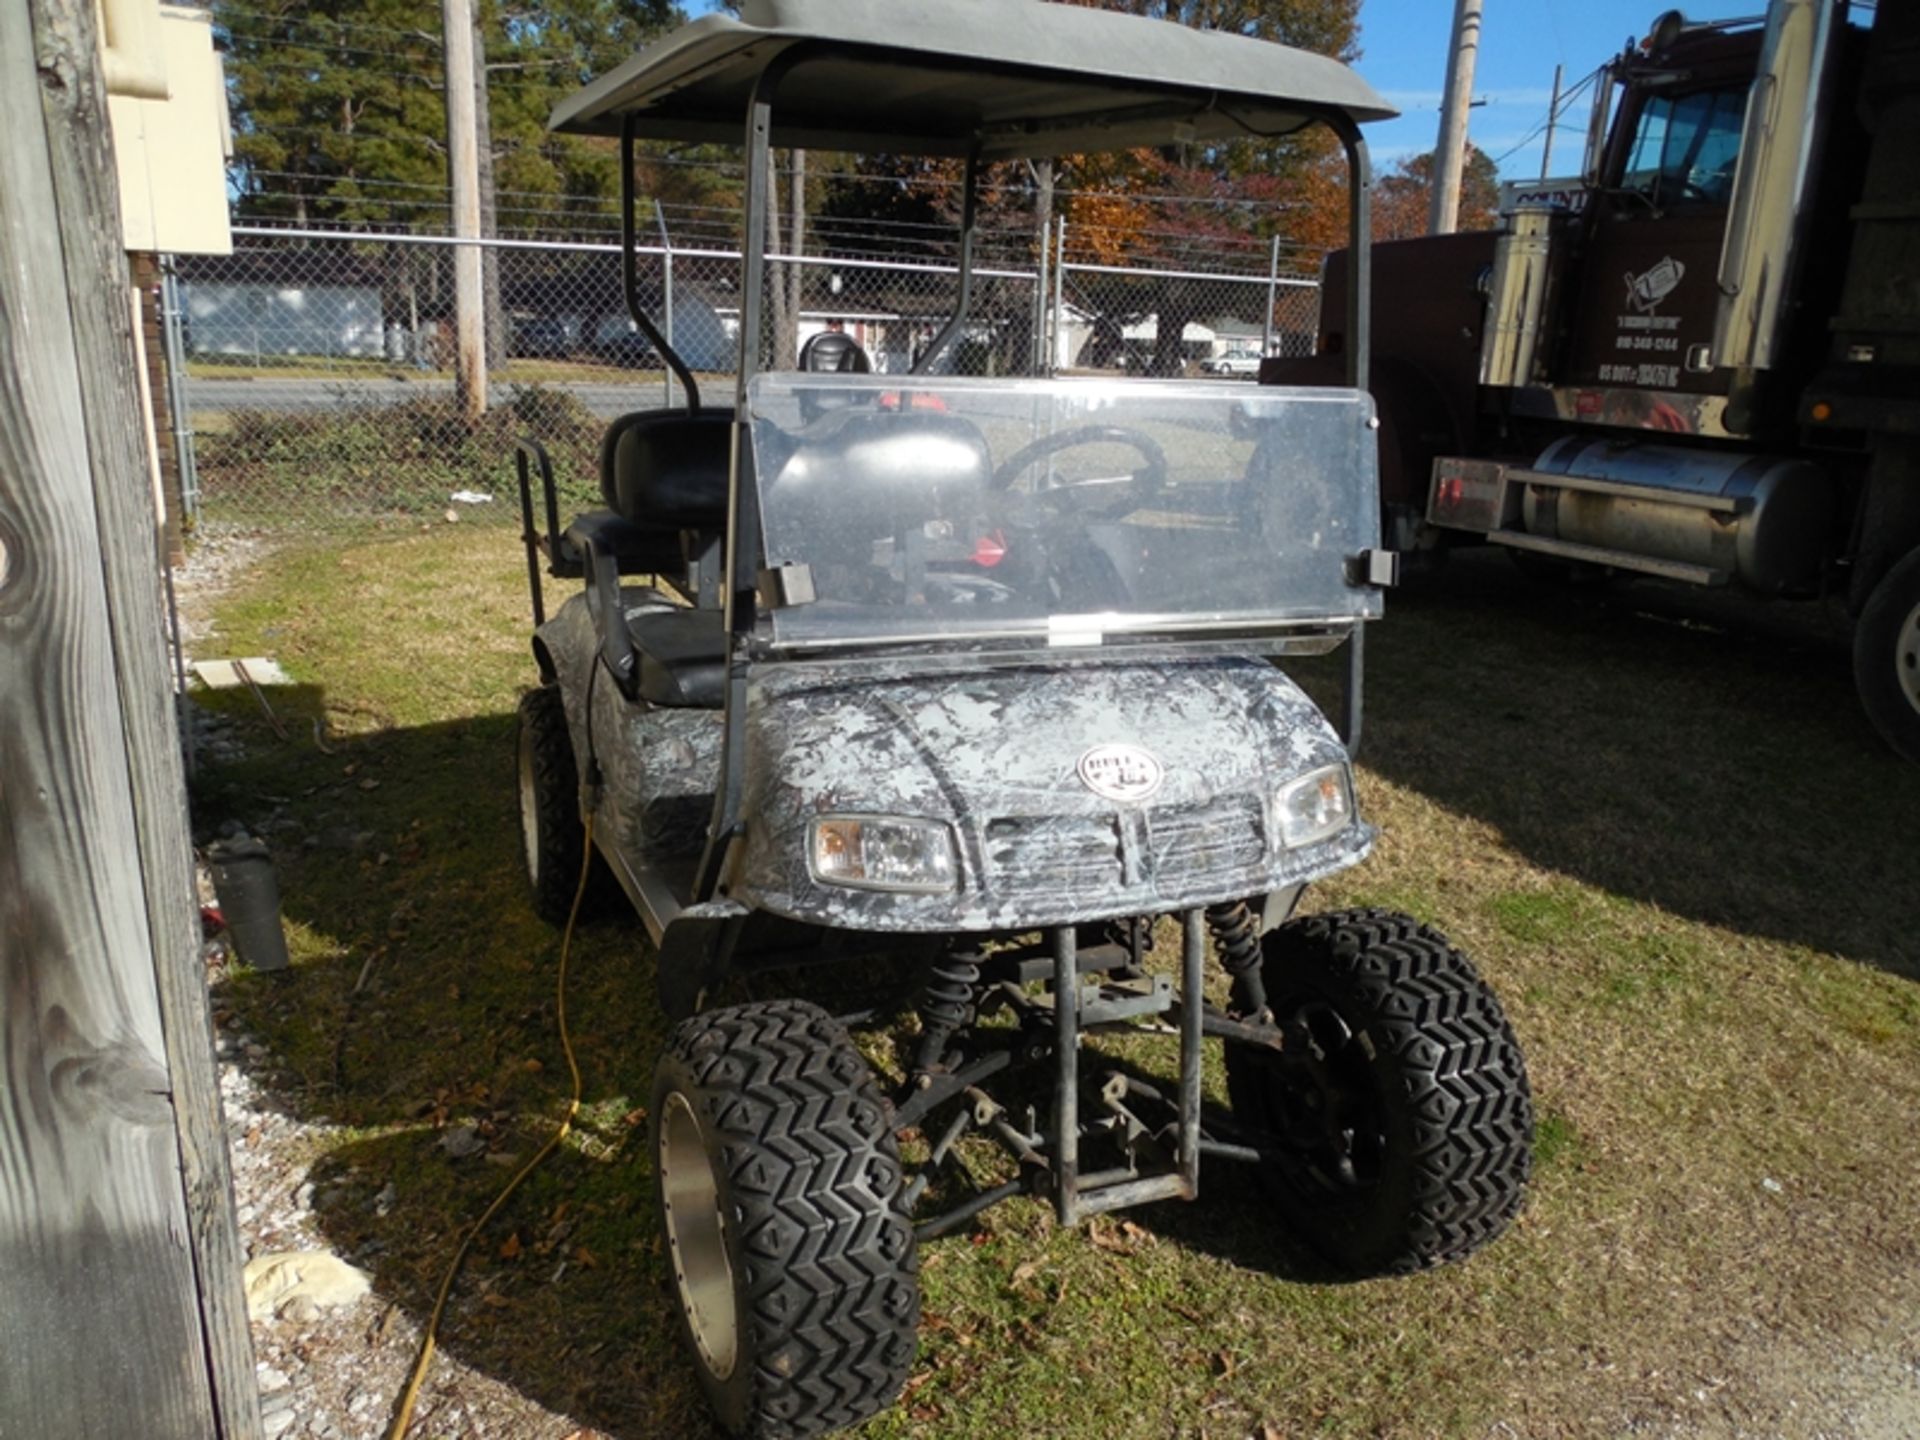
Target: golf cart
<point x="977" y="675"/>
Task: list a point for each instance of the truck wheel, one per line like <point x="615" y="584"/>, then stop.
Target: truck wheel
<point x="1886" y="657"/>
<point x="550" y="826"/>
<point x="780" y="1199"/>
<point x="1399" y="1134"/>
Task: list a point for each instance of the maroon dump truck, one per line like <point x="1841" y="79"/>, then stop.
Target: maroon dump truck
<point x="1701" y="360"/>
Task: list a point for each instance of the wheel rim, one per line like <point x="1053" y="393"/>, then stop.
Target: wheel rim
<point x="529" y="806"/>
<point x="1906" y="657"/>
<point x="697" y="1237"/>
<point x="1331" y="1117"/>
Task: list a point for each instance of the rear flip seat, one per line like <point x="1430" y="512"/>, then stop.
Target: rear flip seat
<point x="683" y="655"/>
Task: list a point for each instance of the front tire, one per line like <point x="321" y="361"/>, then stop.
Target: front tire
<point x="1400" y="1135"/>
<point x="1886" y="657"/>
<point x="780" y="1198"/>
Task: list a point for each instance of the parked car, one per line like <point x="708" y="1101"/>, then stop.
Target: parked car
<point x="543" y="337"/>
<point x="1239" y="361"/>
<point x="618" y="341"/>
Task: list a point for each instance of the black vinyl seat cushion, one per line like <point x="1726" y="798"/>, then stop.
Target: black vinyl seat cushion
<point x="634" y="549"/>
<point x="667" y="469"/>
<point x="683" y="656"/>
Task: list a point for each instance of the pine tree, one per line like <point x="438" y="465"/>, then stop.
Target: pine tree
<point x="339" y="114"/>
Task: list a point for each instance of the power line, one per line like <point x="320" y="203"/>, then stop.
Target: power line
<point x="1552" y="118"/>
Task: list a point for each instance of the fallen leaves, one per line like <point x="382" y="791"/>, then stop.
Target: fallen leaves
<point x="1125" y="1238"/>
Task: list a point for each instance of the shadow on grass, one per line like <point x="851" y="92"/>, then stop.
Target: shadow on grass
<point x="1700" y="753"/>
<point x="399" y="867"/>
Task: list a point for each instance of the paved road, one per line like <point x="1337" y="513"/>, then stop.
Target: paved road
<point x="285" y="396"/>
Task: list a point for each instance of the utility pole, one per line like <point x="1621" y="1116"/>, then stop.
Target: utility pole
<point x="463" y="159"/>
<point x="1449" y="160"/>
<point x="1553" y="116"/>
<point x="492" y="311"/>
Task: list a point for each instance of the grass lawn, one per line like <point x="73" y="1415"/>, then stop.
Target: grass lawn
<point x="1674" y="848"/>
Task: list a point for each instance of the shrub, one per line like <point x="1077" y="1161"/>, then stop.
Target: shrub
<point x="361" y="462"/>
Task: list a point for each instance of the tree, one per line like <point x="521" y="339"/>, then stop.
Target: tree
<point x="339" y="117"/>
<point x="1401" y="198"/>
<point x="1179" y="207"/>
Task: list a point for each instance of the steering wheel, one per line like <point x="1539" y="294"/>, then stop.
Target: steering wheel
<point x="1106" y="496"/>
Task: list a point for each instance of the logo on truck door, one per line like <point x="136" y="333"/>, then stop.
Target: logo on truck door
<point x="1640" y="330"/>
<point x="1646" y="290"/>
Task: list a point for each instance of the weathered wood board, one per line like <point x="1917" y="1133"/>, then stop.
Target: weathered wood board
<point x="120" y="1311"/>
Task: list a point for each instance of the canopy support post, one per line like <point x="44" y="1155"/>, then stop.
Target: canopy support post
<point x="630" y="278"/>
<point x="968" y="207"/>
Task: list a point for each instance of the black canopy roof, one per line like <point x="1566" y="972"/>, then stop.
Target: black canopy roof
<point x="1016" y="78"/>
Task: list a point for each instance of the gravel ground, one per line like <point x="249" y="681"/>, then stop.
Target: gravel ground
<point x="335" y="1373"/>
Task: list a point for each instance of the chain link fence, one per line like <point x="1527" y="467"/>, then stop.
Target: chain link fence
<point x="316" y="369"/>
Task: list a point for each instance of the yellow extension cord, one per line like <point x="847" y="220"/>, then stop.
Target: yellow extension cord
<point x="404" y="1417"/>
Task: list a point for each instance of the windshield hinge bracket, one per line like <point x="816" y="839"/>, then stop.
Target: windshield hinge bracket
<point x="784" y="585"/>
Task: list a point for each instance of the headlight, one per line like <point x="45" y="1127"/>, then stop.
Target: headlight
<point x="1315" y="806"/>
<point x="880" y="852"/>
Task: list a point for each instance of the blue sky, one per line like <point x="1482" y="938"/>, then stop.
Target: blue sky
<point x="1403" y="47"/>
<point x="1404" y="54"/>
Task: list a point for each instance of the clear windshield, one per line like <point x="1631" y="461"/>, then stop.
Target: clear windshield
<point x="1068" y="512"/>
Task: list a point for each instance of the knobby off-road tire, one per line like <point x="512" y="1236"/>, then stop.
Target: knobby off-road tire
<point x="1414" y="1056"/>
<point x="1886" y="657"/>
<point x="550" y="830"/>
<point x="793" y="1260"/>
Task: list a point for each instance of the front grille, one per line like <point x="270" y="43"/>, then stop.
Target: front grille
<point x="1186" y="846"/>
<point x="1078" y="852"/>
<point x="1192" y="844"/>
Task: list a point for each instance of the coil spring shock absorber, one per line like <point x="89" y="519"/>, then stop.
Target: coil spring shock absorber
<point x="946" y="1004"/>
<point x="1238" y="935"/>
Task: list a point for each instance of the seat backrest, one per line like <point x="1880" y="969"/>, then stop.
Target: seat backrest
<point x="856" y="474"/>
<point x="834" y="351"/>
<point x="667" y="469"/>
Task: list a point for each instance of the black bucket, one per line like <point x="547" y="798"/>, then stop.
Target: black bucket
<point x="249" y="895"/>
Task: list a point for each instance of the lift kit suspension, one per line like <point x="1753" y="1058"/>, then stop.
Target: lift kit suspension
<point x="1237" y="935"/>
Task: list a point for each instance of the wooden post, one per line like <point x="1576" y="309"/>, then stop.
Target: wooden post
<point x="120" y="1303"/>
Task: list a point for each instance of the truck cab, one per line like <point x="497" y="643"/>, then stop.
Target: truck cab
<point x="1696" y="360"/>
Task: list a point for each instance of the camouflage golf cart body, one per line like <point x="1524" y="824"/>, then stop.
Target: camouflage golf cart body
<point x="982" y="677"/>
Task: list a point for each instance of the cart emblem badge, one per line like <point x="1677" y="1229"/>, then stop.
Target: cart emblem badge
<point x="1121" y="772"/>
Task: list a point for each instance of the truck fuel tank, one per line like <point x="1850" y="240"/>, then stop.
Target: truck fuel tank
<point x="1763" y="520"/>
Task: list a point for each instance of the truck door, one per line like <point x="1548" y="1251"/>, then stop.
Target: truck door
<point x="1647" y="295"/>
